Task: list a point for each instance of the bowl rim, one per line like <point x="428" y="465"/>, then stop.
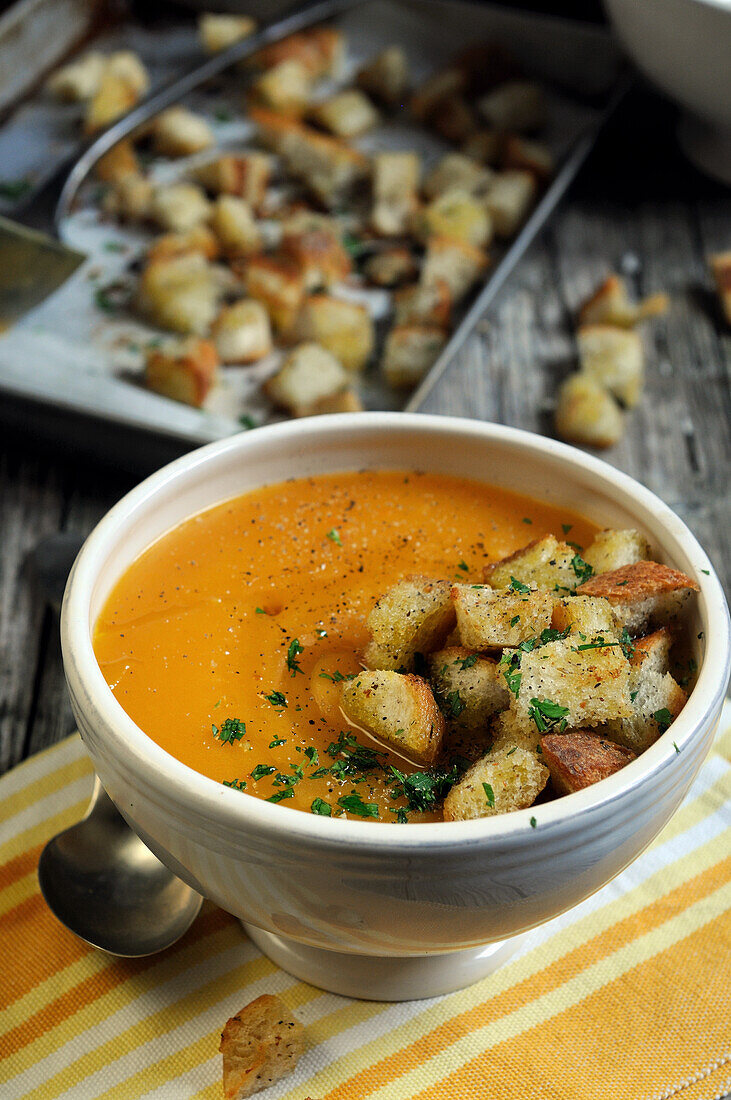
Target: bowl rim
<point x="214" y="801"/>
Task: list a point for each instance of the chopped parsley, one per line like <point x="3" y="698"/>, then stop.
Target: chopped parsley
<point x="247" y="421"/>
<point x="533" y="823"/>
<point x="354" y="804"/>
<point x="625" y="641"/>
<point x="527" y="520"/>
<point x="467" y="662"/>
<point x="321" y="633"/>
<point x="515" y="620"/>
<point x="463" y="566"/>
<point x="334" y="536"/>
<point x="664" y="719"/>
<point x="233" y="729"/>
<point x="222" y="114"/>
<point x="518" y="586"/>
<point x="566" y="527"/>
<point x="261" y="770"/>
<point x="319" y="806"/>
<point x="293" y="653"/>
<point x="510" y="668"/>
<point x="351" y="758"/>
<point x="312" y="755"/>
<point x="276" y="698"/>
<point x="581" y="568"/>
<point x="114" y="246"/>
<point x="260" y="611"/>
<point x="422" y="790"/>
<point x="236" y="784"/>
<point x="676" y="747"/>
<point x="706" y="571"/>
<point x="455" y="705"/>
<point x="489" y="795"/>
<point x="547" y="715"/>
<point x="277" y="742"/>
<point x="353" y="245"/>
<point x="337" y="677"/>
<point x="278" y="796"/>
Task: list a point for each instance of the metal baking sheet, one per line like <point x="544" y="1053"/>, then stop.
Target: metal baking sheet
<point x="78" y="360"/>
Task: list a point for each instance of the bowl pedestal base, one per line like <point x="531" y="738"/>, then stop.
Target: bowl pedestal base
<point x="382" y="978"/>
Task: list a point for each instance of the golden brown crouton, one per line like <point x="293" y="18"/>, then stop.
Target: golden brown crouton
<point x="587" y="615"/>
<point x="530" y="156"/>
<point x="543" y="563"/>
<point x="308" y="375"/>
<point x="435" y="89"/>
<point x="200" y="239"/>
<point x="409" y="353"/>
<point x="319" y="49"/>
<point x="721" y="268"/>
<point x="497" y="784"/>
<point x="587" y="413"/>
<point x="245" y="175"/>
<point x="657" y="700"/>
<point x="79" y="80"/>
<point x="395" y="185"/>
<point x="414" y="616"/>
<point x="346" y="114"/>
<point x="218" y="32"/>
<point x="578" y="759"/>
<point x="454" y="119"/>
<point x="234" y="225"/>
<point x="180" y="293"/>
<point x="642" y="593"/>
<point x="611" y="305"/>
<point x="242" y="333"/>
<point x="457" y="264"/>
<point x="178" y="132"/>
<point x="456" y="171"/>
<point x="285" y="88"/>
<point x="130" y="198"/>
<point x="184" y="370"/>
<point x="120" y="162"/>
<point x="386" y="77"/>
<point x="261" y="1044"/>
<point x="487" y="618"/>
<point x="344" y="328"/>
<point x="508" y="200"/>
<point x="652" y="653"/>
<point x="278" y="284"/>
<point x="508" y="732"/>
<point x="313" y="243"/>
<point x="422" y="304"/>
<point x="459" y="216"/>
<point x="399" y="709"/>
<point x="469" y="686"/>
<point x="113" y="97"/>
<point x="563" y="685"/>
<point x="390" y="267"/>
<point x="516" y="105"/>
<point x="612" y="548"/>
<point x="613" y="357"/>
<point x="128" y="66"/>
<point x="179" y="207"/>
<point x="345" y="401"/>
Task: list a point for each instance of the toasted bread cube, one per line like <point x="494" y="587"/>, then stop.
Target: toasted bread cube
<point x="720" y="264"/>
<point x="518" y="105"/>
<point x="344" y="328"/>
<point x="308" y="375"/>
<point x="260" y="1045"/>
<point x="184" y="370"/>
<point x="313" y="243"/>
<point x="657" y="700"/>
<point x="529" y="156"/>
<point x="456" y="172"/>
<point x="454" y="119"/>
<point x="414" y="616"/>
<point x="179" y="207"/>
<point x="488" y="619"/>
<point x="128" y="66"/>
<point x="130" y="198"/>
<point x="470" y="687"/>
<point x="386" y="77"/>
<point x="178" y="132"/>
<point x="436" y="88"/>
<point x="508" y="732"/>
<point x="643" y="593"/>
<point x="611" y="305"/>
<point x="390" y="267"/>
<point x="113" y="97"/>
<point x="457" y="215"/>
<point x="484" y="146"/>
<point x="242" y="332"/>
<point x="319" y="49"/>
<point x="79" y="80"/>
<point x="543" y="563"/>
<point x="285" y="88"/>
<point x="346" y="114"/>
<point x="409" y="353"/>
<point x="591" y="685"/>
<point x="652" y="652"/>
<point x="279" y="285"/>
<point x="395" y="186"/>
<point x="497" y="784"/>
<point x="397" y="708"/>
<point x="587" y="615"/>
<point x="457" y="264"/>
<point x="180" y="293"/>
<point x="579" y="759"/>
<point x="587" y="413"/>
<point x="234" y="225"/>
<point x="612" y="548"/>
<point x="346" y="401"/>
<point x="245" y="175"/>
<point x="170" y="245"/>
<point x="508" y="200"/>
<point x="218" y="32"/>
<point x="425" y="305"/>
<point x="118" y="163"/>
<point x="615" y="358"/>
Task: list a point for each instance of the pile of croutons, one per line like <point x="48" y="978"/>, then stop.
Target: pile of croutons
<point x="549" y="676"/>
<point x="263" y="247"/>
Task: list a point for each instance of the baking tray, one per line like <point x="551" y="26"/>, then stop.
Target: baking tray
<point x="66" y="365"/>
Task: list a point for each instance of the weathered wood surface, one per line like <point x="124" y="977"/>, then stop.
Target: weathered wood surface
<point x="637" y="207"/>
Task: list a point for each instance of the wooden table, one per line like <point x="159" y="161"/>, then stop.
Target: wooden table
<point x="636" y="207"/>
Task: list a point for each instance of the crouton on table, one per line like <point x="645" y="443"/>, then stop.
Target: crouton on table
<point x="245" y="175"/>
<point x="395" y="185"/>
<point x="457" y="172"/>
<point x="455" y="263"/>
<point x="178" y="132"/>
<point x="397" y="708"/>
<point x="278" y="284"/>
<point x="346" y="114"/>
<point x="261" y="1044"/>
<point x="458" y="215"/>
<point x="180" y="293"/>
<point x="217" y="32"/>
<point x="587" y="413"/>
<point x="615" y="358"/>
<point x="179" y="207"/>
<point x="509" y="197"/>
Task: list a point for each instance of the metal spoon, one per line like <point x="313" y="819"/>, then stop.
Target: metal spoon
<point x="98" y="877"/>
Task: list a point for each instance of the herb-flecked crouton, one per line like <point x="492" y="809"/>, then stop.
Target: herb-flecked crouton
<point x="346" y="114"/>
<point x="562" y="686"/>
<point x="614" y="548"/>
<point x="643" y="593"/>
<point x="543" y="563"/>
<point x="508" y="200"/>
<point x="245" y="175"/>
<point x="278" y="284"/>
<point x="508" y="732"/>
<point x="487" y="618"/>
<point x="455" y="263"/>
<point x="386" y="76"/>
<point x="313" y="242"/>
<point x="180" y="293"/>
<point x="456" y="171"/>
<point x="285" y="88"/>
<point x="409" y="353"/>
<point x="578" y="759"/>
<point x="458" y="216"/>
<point x="397" y="708"/>
<point x="657" y="700"/>
<point x="414" y="616"/>
<point x="242" y="332"/>
<point x="260" y="1045"/>
<point x="497" y="784"/>
<point x="390" y="267"/>
<point x="652" y="653"/>
<point x="395" y="198"/>
<point x="234" y="225"/>
<point x="178" y="132"/>
<point x="344" y="328"/>
<point x="469" y="686"/>
<point x="588" y="615"/>
<point x="423" y="305"/>
<point x="179" y="207"/>
<point x="216" y="32"/>
<point x="530" y="156"/>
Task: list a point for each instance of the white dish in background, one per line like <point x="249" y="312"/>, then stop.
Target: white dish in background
<point x="387" y="911"/>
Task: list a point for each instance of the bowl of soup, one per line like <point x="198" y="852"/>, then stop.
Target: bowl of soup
<point x="213" y="620"/>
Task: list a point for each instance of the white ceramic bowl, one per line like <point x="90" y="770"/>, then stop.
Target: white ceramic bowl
<point x="386" y="910"/>
<point x="684" y="46"/>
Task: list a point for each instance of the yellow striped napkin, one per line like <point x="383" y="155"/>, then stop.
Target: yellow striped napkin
<point x="625" y="997"/>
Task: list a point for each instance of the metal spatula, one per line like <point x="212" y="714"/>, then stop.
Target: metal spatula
<point x="32" y="266"/>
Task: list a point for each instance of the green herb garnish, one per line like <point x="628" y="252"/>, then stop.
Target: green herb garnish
<point x="236" y="784"/>
<point x="233" y="729"/>
<point x="293" y="653"/>
<point x="354" y="804"/>
<point x="547" y="715"/>
<point x="261" y="770"/>
<point x="518" y="586"/>
<point x="319" y="806"/>
<point x="664" y="719"/>
<point x="279" y="795"/>
<point x="455" y="705"/>
<point x="468" y="662"/>
<point x="489" y="795"/>
<point x="581" y="568"/>
<point x="277" y="699"/>
<point x="334" y="536"/>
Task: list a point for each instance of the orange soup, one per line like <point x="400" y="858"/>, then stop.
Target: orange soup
<point x="228" y="638"/>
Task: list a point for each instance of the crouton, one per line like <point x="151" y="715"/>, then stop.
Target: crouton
<point x="611" y="305"/>
<point x="435" y="89"/>
<point x="487" y="618"/>
<point x="79" y="80"/>
<point x="613" y="357"/>
<point x="563" y="685"/>
<point x="425" y="305"/>
<point x="652" y="652"/>
<point x="484" y="146"/>
<point x="313" y="243"/>
<point x="454" y="119"/>
<point x="721" y="267"/>
<point x="409" y="353"/>
<point x="235" y="227"/>
<point x="319" y="49"/>
<point x="529" y="156"/>
<point x="184" y="370"/>
<point x="386" y="77"/>
<point x="118" y="163"/>
<point x="497" y="784"/>
<point x="180" y="294"/>
<point x="414" y="616"/>
<point x="457" y="264"/>
<point x="179" y="207"/>
<point x="242" y="333"/>
<point x="308" y="375"/>
<point x="346" y="114"/>
<point x="128" y="66"/>
<point x="170" y="245"/>
<point x="543" y="563"/>
<point x="390" y="267"/>
<point x="587" y="413"/>
<point x="612" y="548"/>
<point x="518" y="105"/>
<point x="456" y="171"/>
<point x="508" y="200"/>
<point x="469" y="687"/>
<point x="113" y="97"/>
<point x="508" y="732"/>
<point x="643" y="593"/>
<point x="399" y="709"/>
<point x="587" y="615"/>
<point x="130" y="198"/>
<point x="459" y="216"/>
<point x="260" y="1045"/>
<point x="245" y="175"/>
<point x="579" y="759"/>
<point x="178" y="132"/>
<point x="346" y="401"/>
<point x="395" y="186"/>
<point x="285" y="88"/>
<point x="657" y="700"/>
<point x="278" y="284"/>
<point x="344" y="328"/>
<point x="218" y="32"/>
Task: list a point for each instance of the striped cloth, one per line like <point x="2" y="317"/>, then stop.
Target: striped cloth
<point x="625" y="997"/>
